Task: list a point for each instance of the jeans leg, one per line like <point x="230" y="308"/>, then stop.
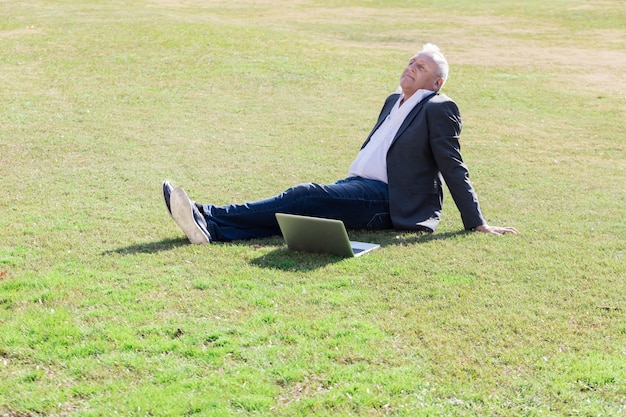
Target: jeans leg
<point x="360" y="203"/>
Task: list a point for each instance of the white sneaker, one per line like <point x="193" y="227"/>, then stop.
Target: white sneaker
<point x="188" y="217"/>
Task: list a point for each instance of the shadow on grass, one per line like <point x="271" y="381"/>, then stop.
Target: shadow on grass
<point x="280" y="258"/>
<point x="421" y="237"/>
<point x="286" y="260"/>
<point x="151" y="247"/>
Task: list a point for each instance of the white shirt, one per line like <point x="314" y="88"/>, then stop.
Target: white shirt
<point x="371" y="162"/>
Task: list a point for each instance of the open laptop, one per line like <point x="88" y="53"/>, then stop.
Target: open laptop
<point x="315" y="234"/>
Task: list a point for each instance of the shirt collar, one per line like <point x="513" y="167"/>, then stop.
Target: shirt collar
<point x="416" y="97"/>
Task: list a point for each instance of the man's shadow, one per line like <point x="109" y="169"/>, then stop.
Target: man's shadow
<point x="150" y="247"/>
<point x="283" y="259"/>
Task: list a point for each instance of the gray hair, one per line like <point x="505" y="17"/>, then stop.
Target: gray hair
<point x="433" y="51"/>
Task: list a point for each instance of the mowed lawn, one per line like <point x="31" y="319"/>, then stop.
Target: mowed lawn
<point x="105" y="309"/>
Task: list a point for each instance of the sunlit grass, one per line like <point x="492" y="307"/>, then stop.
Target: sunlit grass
<point x="106" y="309"/>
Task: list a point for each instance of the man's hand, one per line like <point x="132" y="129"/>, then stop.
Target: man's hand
<point x="495" y="230"/>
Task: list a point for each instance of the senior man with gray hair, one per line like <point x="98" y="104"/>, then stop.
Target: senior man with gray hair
<point x="395" y="182"/>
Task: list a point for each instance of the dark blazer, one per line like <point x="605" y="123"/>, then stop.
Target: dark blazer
<point x="424" y="153"/>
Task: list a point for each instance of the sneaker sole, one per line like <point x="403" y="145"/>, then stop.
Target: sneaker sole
<point x="182" y="213"/>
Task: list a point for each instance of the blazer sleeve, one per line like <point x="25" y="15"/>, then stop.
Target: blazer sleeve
<point x="444" y="124"/>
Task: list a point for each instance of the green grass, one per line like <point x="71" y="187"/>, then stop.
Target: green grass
<point x="106" y="310"/>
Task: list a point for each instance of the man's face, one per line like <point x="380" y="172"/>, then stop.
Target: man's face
<point x="420" y="73"/>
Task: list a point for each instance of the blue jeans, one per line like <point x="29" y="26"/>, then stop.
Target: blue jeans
<point x="360" y="203"/>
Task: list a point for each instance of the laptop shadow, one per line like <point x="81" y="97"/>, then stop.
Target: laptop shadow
<point x="287" y="260"/>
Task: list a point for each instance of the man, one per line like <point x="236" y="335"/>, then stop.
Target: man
<point x="396" y="180"/>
